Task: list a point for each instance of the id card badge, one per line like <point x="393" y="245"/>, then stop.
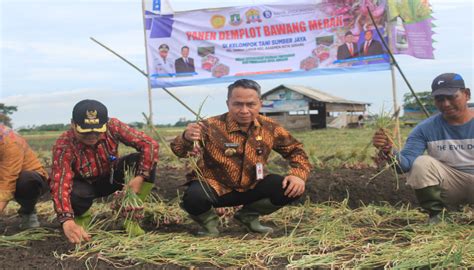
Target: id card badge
<point x="259" y="170"/>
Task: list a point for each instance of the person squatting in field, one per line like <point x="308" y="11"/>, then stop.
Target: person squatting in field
<point x="22" y="177"/>
<point x="444" y="178"/>
<point x="86" y="165"/>
<point x="233" y="149"/>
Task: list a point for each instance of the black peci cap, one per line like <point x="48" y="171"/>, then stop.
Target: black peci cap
<point x="90" y="116"/>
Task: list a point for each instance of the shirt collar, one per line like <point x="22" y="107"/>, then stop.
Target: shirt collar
<point x="232" y="125"/>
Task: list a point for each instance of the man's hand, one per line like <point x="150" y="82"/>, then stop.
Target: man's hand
<point x="3" y="205"/>
<point x="294" y="186"/>
<point x="380" y="140"/>
<point x="75" y="233"/>
<point x="193" y="132"/>
<point x="136" y="183"/>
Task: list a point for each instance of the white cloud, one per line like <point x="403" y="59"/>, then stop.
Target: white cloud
<point x="13" y="46"/>
<point x="129" y="43"/>
<point x="198" y="90"/>
<point x="55" y="99"/>
<point x="55" y="107"/>
<point x="414" y="64"/>
<point x="445" y="5"/>
<point x="55" y="51"/>
<point x="83" y="52"/>
<point x="68" y="74"/>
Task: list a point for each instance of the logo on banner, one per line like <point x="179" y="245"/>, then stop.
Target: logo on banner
<point x="235" y="19"/>
<point x="267" y="14"/>
<point x="217" y="21"/>
<point x="156" y="5"/>
<point x="253" y="16"/>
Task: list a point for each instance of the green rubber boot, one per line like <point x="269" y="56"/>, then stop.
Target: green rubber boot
<point x="429" y="199"/>
<point x="208" y="222"/>
<point x="250" y="213"/>
<point x="84" y="220"/>
<point x="133" y="227"/>
<point x="145" y="190"/>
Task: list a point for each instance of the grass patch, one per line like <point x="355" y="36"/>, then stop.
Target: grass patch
<point x="325" y="235"/>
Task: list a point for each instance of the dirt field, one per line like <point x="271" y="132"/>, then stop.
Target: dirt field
<point x="322" y="186"/>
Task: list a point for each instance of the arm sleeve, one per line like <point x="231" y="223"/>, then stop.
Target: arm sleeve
<point x="61" y="183"/>
<point x="414" y="147"/>
<point x="11" y="162"/>
<point x="292" y="150"/>
<point x="147" y="147"/>
<point x="180" y="146"/>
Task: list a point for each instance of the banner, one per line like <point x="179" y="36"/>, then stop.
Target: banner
<point x="411" y="28"/>
<point x="263" y="42"/>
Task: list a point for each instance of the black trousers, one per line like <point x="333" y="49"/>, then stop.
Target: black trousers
<point x="200" y="197"/>
<point x="84" y="191"/>
<point x="29" y="188"/>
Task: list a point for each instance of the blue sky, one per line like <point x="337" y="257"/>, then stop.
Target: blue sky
<point x="48" y="62"/>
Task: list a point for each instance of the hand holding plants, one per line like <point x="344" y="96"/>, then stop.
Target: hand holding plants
<point x="75" y="233"/>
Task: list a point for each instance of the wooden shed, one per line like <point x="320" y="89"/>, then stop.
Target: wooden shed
<point x="299" y="107"/>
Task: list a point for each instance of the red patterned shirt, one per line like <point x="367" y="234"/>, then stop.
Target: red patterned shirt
<point x="72" y="158"/>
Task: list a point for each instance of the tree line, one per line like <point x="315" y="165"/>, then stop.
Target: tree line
<point x="6" y="111"/>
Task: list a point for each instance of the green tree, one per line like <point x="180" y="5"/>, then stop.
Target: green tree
<point x="5" y="111"/>
<point x="137" y="125"/>
<point x="182" y="122"/>
<point x="410" y="104"/>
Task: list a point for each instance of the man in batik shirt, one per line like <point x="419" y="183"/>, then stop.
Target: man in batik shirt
<point x="235" y="148"/>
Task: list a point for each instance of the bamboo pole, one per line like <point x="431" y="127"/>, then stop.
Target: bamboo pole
<point x="150" y="96"/>
<point x="146" y="75"/>
<point x="394" y="95"/>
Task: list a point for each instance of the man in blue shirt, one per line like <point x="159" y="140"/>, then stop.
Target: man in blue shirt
<point x="444" y="178"/>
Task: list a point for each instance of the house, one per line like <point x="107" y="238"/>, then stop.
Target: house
<point x="299" y="107"/>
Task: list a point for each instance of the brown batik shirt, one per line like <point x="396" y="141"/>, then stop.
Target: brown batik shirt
<point x="237" y="169"/>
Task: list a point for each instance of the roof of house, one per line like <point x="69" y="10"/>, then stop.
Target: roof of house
<point x="314" y="94"/>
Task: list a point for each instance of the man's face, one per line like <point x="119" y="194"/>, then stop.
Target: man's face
<point x="185" y="52"/>
<point x="88" y="138"/>
<point x="244" y="105"/>
<point x="368" y="35"/>
<point x="349" y="38"/>
<point x="163" y="53"/>
<point x="453" y="106"/>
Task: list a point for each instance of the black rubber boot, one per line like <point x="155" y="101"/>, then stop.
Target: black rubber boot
<point x="27" y="212"/>
<point x="29" y="221"/>
<point x="250" y="213"/>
